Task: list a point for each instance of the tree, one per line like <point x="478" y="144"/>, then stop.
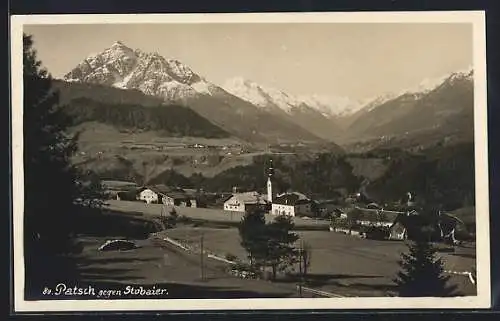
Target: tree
<point x="281" y="252"/>
<point x="92" y="193"/>
<point x="305" y="255"/>
<point x="421" y="273"/>
<point x="54" y="190"/>
<point x="353" y="217"/>
<point x="51" y="187"/>
<point x="253" y="235"/>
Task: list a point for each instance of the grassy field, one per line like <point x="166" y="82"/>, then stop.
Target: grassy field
<point x="165" y="267"/>
<point x="340" y="263"/>
<point x="100" y="144"/>
<point x="205" y="214"/>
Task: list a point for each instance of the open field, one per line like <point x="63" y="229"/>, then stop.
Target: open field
<point x="205" y="214"/>
<point x="340" y="264"/>
<point x="164" y="267"/>
<point x="100" y="144"/>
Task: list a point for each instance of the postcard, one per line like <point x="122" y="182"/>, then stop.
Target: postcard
<point x="250" y="161"/>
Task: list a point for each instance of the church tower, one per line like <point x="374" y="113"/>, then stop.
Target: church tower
<point x="269" y="182"/>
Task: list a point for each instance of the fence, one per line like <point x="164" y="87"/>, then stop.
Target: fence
<point x="301" y="290"/>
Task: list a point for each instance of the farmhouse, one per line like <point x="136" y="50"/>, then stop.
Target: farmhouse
<point x="293" y="204"/>
<point x="242" y="202"/>
<point x="178" y="199"/>
<point x="150" y="194"/>
<point x="166" y="195"/>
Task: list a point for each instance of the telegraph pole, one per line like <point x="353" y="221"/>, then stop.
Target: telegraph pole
<point x="202" y="259"/>
<point x="300" y="269"/>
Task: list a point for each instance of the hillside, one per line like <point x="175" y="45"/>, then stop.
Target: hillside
<point x="166" y="120"/>
<point x="244" y="120"/>
<point x="321" y="176"/>
<point x="69" y="91"/>
<point x="175" y="83"/>
<point x="131" y="109"/>
<point x="442" y="113"/>
<point x="442" y="176"/>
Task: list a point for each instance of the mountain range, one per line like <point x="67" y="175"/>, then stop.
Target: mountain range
<point x="258" y="113"/>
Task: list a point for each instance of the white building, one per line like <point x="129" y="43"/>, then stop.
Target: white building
<point x="292" y="204"/>
<point x="168" y="196"/>
<point x="148" y="195"/>
<point x="242" y="202"/>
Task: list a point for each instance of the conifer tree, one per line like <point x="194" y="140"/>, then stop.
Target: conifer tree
<point x="281" y="252"/>
<point x="50" y="181"/>
<point x="253" y="235"/>
<point x="421" y="272"/>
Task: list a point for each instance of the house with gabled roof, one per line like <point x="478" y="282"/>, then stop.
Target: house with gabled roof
<point x="166" y="195"/>
<point x="242" y="202"/>
<point x="292" y="204"/>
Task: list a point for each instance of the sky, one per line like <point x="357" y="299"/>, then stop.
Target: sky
<point x="355" y="60"/>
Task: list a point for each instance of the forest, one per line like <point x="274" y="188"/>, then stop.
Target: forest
<point x="167" y="120"/>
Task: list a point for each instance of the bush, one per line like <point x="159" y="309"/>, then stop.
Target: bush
<point x="231" y="257"/>
<point x="376" y="232"/>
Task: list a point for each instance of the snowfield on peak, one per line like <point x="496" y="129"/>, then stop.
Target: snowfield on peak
<point x="268" y="97"/>
<point x="122" y="67"/>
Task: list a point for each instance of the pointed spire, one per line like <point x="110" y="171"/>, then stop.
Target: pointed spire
<point x="269" y="182"/>
<point x="271" y="168"/>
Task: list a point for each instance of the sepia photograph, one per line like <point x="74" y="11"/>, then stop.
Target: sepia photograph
<point x="250" y="161"/>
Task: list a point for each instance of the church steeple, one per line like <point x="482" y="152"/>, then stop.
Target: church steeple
<point x="270" y="173"/>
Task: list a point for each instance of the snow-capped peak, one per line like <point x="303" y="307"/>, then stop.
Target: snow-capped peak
<point x="331" y="105"/>
<point x="123" y="67"/>
<point x="269" y="97"/>
<point x="263" y="97"/>
<point x="425" y="86"/>
<point x="429" y="84"/>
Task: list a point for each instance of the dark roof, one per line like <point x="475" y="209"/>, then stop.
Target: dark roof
<point x="159" y="189"/>
<point x="372" y="216"/>
<point x="249" y="198"/>
<point x="117" y="184"/>
<point x="290" y="199"/>
<point x="175" y="193"/>
<point x="178" y="195"/>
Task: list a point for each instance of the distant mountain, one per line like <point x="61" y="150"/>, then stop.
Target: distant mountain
<point x="169" y="79"/>
<point x="286" y="106"/>
<point x="442" y="108"/>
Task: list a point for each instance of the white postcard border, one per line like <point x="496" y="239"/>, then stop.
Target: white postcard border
<point x="483" y="298"/>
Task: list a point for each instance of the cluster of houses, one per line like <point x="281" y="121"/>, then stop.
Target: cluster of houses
<point x="161" y="194"/>
<point x="153" y="194"/>
<point x="291" y="204"/>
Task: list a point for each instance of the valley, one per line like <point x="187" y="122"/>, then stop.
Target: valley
<point x="220" y="175"/>
<point x="144" y="118"/>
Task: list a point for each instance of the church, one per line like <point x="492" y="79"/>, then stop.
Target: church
<point x="291" y="203"/>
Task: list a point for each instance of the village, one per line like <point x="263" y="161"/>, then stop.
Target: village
<point x="354" y="217"/>
<point x="355" y="246"/>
